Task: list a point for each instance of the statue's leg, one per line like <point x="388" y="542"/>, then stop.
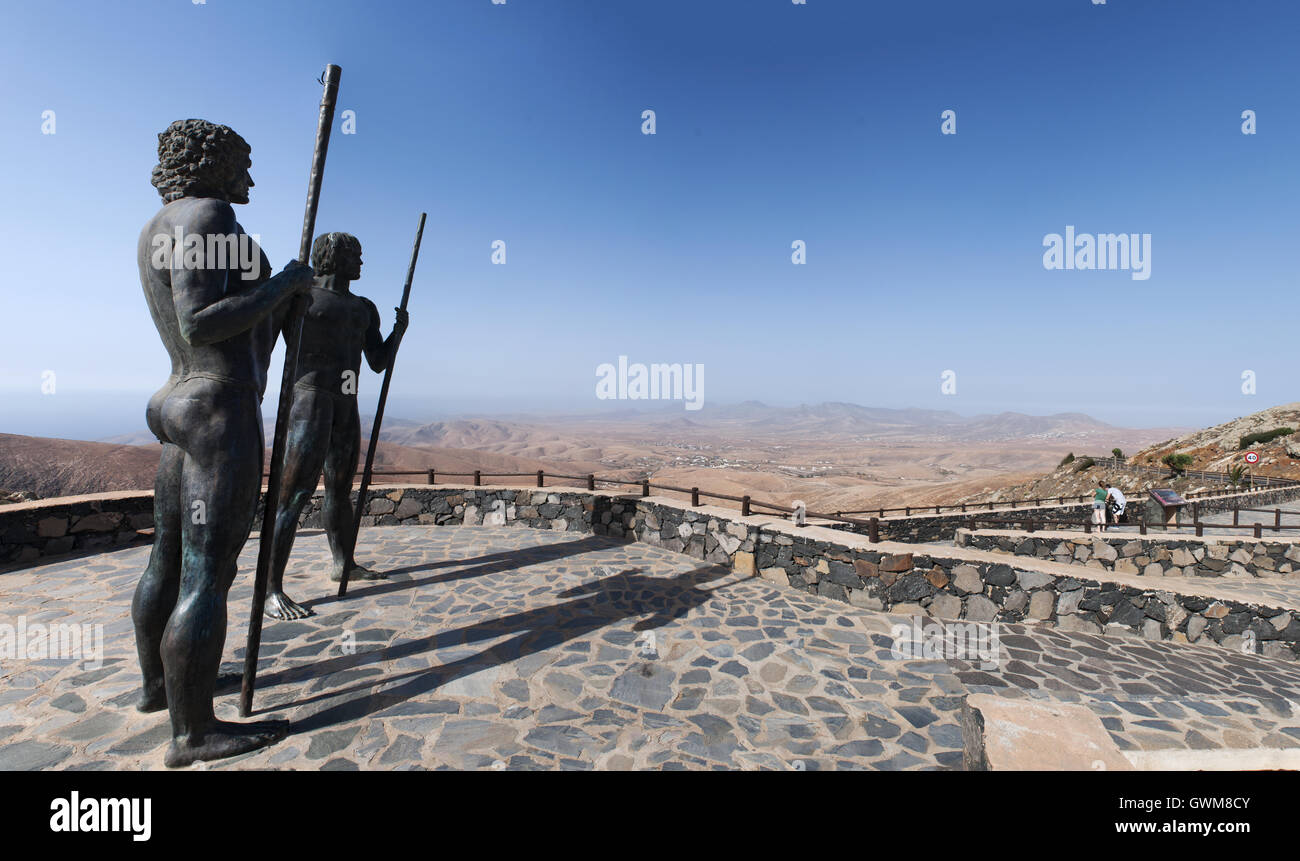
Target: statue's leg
<point x="155" y="595"/>
<point x="222" y="470"/>
<point x="305" y="447"/>
<point x="340" y="470"/>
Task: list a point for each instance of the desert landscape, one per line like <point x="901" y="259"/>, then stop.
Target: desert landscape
<point x="833" y="456"/>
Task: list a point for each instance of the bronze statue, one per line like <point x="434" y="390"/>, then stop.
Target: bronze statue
<point x="324" y="424"/>
<point x="217" y="317"/>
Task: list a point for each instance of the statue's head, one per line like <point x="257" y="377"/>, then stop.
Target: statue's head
<point x="337" y="253"/>
<point x="197" y="158"/>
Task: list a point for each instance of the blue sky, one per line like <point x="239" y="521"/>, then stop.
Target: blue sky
<point x="775" y="122"/>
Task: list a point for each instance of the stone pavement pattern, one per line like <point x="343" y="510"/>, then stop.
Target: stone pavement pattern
<point x="510" y="648"/>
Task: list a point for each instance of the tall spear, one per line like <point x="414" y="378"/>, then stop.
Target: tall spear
<point x="292" y="336"/>
<point x="379" y="413"/>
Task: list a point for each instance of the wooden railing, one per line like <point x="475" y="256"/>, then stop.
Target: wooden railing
<point x="748" y="503"/>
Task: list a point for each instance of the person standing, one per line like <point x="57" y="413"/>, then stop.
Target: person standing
<point x="1099" y="506"/>
<point x="1115" y="499"/>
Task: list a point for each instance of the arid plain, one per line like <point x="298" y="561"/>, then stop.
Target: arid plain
<point x="832" y="456"/>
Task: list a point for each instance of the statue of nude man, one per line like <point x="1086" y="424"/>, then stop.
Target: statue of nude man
<point x="217" y="317"/>
<point x="324" y="425"/>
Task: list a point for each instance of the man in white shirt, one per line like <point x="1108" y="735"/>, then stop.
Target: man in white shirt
<point x="1116" y="498"/>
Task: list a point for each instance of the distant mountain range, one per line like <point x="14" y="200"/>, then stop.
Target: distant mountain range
<point x="758" y="419"/>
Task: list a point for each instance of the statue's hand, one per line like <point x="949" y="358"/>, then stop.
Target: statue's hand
<point x="403" y="320"/>
<point x="299" y="277"/>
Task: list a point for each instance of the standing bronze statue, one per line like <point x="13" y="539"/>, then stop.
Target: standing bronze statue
<point x="324" y="423"/>
<point x="217" y="317"/>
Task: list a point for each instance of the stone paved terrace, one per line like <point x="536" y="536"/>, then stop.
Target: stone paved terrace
<point x="511" y="648"/>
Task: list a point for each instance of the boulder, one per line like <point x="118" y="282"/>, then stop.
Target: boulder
<point x="1000" y="734"/>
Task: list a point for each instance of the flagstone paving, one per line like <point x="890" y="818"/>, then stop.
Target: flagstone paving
<point x="509" y="648"/>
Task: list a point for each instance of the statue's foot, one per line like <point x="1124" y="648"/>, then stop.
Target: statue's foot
<point x="223" y="740"/>
<point x="281" y="606"/>
<point x="153" y="698"/>
<point x="358" y="572"/>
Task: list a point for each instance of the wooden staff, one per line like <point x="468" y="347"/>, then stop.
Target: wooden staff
<point x="379" y="413"/>
<point x="292" y="336"/>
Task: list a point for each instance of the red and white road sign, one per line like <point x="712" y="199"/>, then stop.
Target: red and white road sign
<point x="1252" y="457"/>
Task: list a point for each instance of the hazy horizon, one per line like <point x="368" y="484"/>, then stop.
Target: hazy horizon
<point x="99" y="415"/>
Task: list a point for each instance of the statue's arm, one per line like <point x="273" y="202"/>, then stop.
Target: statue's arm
<point x="380" y="352"/>
<point x="207" y="312"/>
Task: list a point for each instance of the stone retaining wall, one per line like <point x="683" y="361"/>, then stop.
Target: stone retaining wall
<point x="562" y="509"/>
<point x="918" y="529"/>
<point x="30" y="531"/>
<point x="986" y="590"/>
<point x="1150" y="556"/>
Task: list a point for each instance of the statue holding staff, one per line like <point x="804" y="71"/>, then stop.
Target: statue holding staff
<point x="324" y="424"/>
<point x="217" y="318"/>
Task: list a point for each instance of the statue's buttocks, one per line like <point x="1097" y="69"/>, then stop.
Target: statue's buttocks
<point x="207" y="369"/>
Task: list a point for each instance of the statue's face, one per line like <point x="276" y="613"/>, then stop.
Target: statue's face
<point x="239" y="186"/>
<point x="349" y="263"/>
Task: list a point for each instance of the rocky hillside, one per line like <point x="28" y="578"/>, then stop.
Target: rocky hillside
<point x="37" y="467"/>
<point x="1076" y="479"/>
<point x="1219" y="448"/>
<point x="1215" y="449"/>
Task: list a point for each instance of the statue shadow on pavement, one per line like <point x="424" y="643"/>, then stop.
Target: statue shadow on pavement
<point x="627" y="594"/>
